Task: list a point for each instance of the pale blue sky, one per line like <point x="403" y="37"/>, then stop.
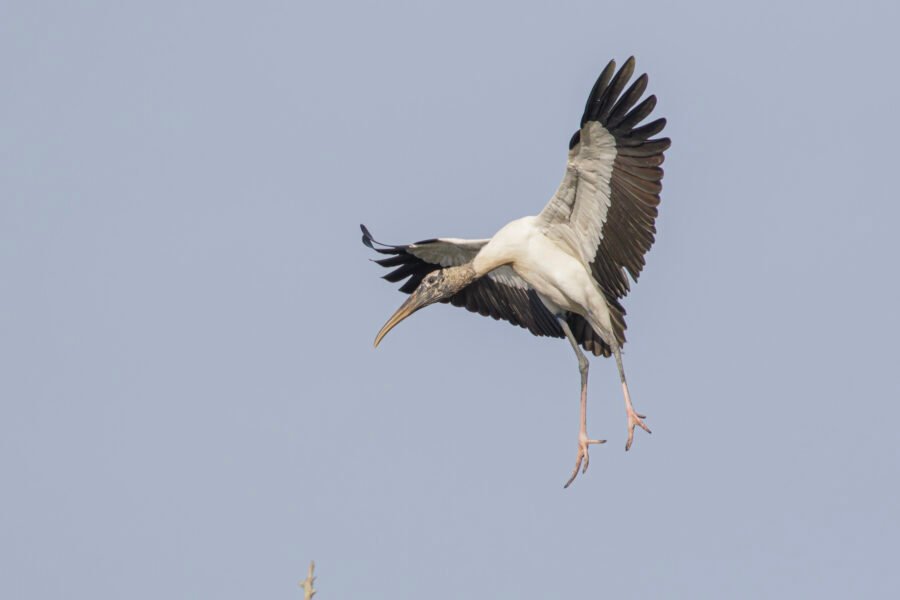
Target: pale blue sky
<point x="190" y="406"/>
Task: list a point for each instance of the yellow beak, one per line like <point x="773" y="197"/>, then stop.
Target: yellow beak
<point x="411" y="305"/>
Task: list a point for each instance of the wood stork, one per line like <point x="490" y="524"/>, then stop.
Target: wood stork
<point x="563" y="272"/>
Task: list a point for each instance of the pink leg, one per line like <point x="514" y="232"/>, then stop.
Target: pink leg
<point x="633" y="417"/>
<point x="583" y="458"/>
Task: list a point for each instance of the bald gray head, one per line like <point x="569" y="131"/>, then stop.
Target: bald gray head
<point x="436" y="286"/>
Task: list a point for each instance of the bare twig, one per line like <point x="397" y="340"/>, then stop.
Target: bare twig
<point x="307" y="584"/>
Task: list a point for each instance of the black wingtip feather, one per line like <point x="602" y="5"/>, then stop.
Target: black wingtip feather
<point x="614" y="110"/>
<point x="648" y="148"/>
<point x="615" y="88"/>
<point x="370" y="242"/>
<point x="628" y="99"/>
<point x="576" y="137"/>
<point x="645" y="132"/>
<point x="392" y="261"/>
<point x="638" y="114"/>
<point x="367" y="237"/>
<point x="597" y="92"/>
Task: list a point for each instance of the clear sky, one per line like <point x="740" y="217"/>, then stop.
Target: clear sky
<point x="190" y="405"/>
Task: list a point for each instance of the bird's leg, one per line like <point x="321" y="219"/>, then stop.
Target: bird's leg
<point x="583" y="440"/>
<point x="633" y="417"/>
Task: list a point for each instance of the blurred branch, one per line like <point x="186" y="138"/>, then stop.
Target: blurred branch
<point x="307" y="584"/>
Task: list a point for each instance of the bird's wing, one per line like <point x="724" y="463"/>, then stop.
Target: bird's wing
<point x="417" y="260"/>
<point x="501" y="294"/>
<point x="605" y="208"/>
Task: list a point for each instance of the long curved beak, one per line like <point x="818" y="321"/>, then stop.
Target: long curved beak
<point x="411" y="305"/>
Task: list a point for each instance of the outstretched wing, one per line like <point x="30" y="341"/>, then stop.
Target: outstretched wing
<point x="501" y="294"/>
<point x="605" y="208"/>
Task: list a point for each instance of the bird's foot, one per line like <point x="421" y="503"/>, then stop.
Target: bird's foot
<point x="583" y="456"/>
<point x="634" y="419"/>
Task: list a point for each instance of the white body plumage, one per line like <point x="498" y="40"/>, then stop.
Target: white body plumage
<point x="563" y="282"/>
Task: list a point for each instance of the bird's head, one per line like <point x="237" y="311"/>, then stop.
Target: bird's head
<point x="436" y="286"/>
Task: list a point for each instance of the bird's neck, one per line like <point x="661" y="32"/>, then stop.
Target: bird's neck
<point x="503" y="247"/>
<point x="461" y="276"/>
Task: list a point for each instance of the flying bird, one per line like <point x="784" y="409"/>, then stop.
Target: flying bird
<point x="563" y="272"/>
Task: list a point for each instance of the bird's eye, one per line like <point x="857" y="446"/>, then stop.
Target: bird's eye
<point x="431" y="279"/>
